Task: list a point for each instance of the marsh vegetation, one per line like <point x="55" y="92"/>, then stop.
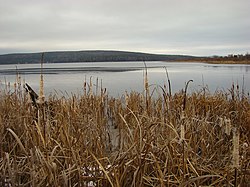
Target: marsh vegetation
<point x="94" y="139"/>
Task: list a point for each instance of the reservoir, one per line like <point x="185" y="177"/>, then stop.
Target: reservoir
<point x="118" y="77"/>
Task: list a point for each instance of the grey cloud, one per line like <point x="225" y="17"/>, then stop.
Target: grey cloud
<point x="154" y="26"/>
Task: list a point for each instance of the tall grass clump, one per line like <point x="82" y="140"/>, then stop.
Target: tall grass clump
<point x="197" y="139"/>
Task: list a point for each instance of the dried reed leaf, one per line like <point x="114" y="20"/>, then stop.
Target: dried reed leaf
<point x="228" y="126"/>
<point x="103" y="169"/>
<point x="199" y="178"/>
<point x="159" y="170"/>
<point x="39" y="132"/>
<point x="192" y="167"/>
<point x="18" y="140"/>
<point x="129" y="130"/>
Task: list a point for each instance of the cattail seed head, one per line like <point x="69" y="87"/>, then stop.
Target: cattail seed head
<point x="182" y="115"/>
<point x="41" y="92"/>
<point x="221" y="122"/>
<point x="228" y="126"/>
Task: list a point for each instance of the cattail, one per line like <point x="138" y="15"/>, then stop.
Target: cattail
<point x="146" y="81"/>
<point x="29" y="100"/>
<point x="236" y="143"/>
<point x="182" y="126"/>
<point x="54" y="166"/>
<point x="182" y="115"/>
<point x="19" y="81"/>
<point x="23" y="82"/>
<point x="90" y="86"/>
<point x="38" y="118"/>
<point x="16" y="81"/>
<point x="221" y="122"/>
<point x="228" y="126"/>
<point x="41" y="92"/>
<point x="15" y="86"/>
<point x="182" y="132"/>
<point x="8" y="86"/>
<point x="146" y="87"/>
<point x="126" y="98"/>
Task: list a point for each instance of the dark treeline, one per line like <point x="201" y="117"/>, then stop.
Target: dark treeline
<point x="230" y="57"/>
<point x="87" y="56"/>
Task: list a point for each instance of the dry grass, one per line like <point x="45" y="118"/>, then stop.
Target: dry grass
<point x="138" y="140"/>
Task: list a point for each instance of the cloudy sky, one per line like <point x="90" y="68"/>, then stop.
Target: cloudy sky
<point x="194" y="27"/>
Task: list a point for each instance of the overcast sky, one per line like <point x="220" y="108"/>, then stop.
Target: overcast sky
<point x="194" y="27"/>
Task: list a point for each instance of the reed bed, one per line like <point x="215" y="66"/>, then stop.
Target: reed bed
<point x="140" y="139"/>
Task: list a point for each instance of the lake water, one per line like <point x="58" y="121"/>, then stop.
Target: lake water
<point x="119" y="77"/>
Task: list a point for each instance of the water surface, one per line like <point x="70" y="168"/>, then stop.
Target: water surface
<point x="119" y="77"/>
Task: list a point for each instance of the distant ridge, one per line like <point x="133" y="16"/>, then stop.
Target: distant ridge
<point x="87" y="56"/>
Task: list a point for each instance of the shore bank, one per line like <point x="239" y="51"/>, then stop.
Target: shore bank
<point x="247" y="62"/>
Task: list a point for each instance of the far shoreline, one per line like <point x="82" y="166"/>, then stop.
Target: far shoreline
<point x="243" y="62"/>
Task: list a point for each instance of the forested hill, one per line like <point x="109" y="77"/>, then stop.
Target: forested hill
<point x="86" y="56"/>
